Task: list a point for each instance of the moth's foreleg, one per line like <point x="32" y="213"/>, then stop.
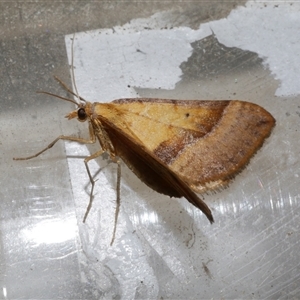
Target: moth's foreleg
<point x="92" y="140"/>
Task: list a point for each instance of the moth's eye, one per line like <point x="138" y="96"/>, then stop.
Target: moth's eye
<point x="81" y="114"/>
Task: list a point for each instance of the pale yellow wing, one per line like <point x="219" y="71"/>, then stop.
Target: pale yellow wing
<point x="158" y="123"/>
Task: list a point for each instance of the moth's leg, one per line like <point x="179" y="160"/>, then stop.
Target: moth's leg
<point x="92" y="181"/>
<point x="118" y="200"/>
<point x="92" y="140"/>
<point x="87" y="159"/>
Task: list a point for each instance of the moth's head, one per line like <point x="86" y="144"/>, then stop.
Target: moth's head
<point x="81" y="113"/>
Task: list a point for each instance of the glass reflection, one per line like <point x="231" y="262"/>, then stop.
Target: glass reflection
<point x="50" y="231"/>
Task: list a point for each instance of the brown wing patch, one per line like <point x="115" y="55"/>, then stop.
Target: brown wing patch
<point x="213" y="160"/>
<point x="168" y="150"/>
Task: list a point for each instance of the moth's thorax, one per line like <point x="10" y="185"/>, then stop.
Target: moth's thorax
<point x="89" y="109"/>
<point x="93" y="110"/>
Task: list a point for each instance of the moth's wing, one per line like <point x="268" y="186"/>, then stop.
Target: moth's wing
<point x="150" y="170"/>
<point x="212" y="161"/>
<point x="206" y="142"/>
<point x="138" y="164"/>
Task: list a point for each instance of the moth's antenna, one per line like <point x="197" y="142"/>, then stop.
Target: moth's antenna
<point x="56" y="96"/>
<point x="72" y="71"/>
<point x="67" y="89"/>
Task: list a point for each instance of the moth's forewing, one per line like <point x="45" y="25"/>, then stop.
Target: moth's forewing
<point x="206" y="142"/>
<point x="175" y="146"/>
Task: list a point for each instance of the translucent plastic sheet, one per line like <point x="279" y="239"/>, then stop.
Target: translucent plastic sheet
<point x="164" y="248"/>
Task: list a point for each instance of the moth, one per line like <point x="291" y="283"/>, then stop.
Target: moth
<point x="177" y="147"/>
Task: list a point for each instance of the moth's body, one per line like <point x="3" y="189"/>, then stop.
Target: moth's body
<point x="178" y="146"/>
